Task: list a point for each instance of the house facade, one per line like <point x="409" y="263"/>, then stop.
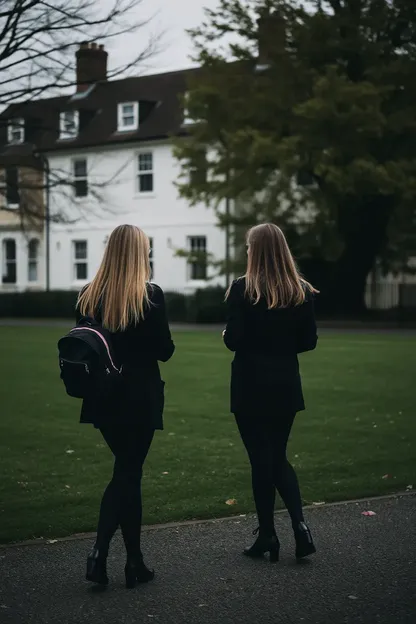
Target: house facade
<point x="107" y="157"/>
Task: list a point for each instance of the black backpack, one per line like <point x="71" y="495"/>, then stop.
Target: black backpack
<point x="85" y="359"/>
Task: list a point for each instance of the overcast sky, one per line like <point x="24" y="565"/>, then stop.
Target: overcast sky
<point x="173" y="17"/>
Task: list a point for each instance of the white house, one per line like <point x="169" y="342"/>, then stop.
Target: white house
<point x="106" y="153"/>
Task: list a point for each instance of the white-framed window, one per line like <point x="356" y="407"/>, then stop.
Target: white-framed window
<point x="16" y="131"/>
<point x="197" y="264"/>
<point x="11" y="187"/>
<point x="80" y="260"/>
<point x="9" y="261"/>
<point x="145" y="182"/>
<point x="69" y="124"/>
<point x="151" y="257"/>
<point x="128" y="116"/>
<point x="33" y="260"/>
<point x="80" y="177"/>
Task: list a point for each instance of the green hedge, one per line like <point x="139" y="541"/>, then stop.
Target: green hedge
<point x="204" y="306"/>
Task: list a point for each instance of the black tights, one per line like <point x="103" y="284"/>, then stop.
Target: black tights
<point x="266" y="440"/>
<point x="121" y="504"/>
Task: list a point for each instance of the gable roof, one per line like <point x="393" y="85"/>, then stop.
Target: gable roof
<point x="161" y="114"/>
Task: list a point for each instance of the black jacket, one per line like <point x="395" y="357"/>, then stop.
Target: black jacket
<point x="265" y="370"/>
<point x="140" y="396"/>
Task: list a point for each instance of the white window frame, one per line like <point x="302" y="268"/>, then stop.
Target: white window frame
<point x="79" y="178"/>
<point x="33" y="260"/>
<point x="16" y="126"/>
<point x="123" y="127"/>
<point x="79" y="261"/>
<point x="5" y="262"/>
<point x="191" y="264"/>
<point x="65" y="133"/>
<point x="145" y="172"/>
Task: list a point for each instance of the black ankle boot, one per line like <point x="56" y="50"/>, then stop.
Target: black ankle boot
<point x="304" y="541"/>
<point x="266" y="542"/>
<point x="137" y="572"/>
<point x="97" y="568"/>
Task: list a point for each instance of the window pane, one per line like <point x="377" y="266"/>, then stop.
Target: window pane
<point x="81" y="271"/>
<point x="12" y="186"/>
<point x="146" y="183"/>
<point x="33" y="249"/>
<point x="128" y="121"/>
<point x="81" y="188"/>
<point x="33" y="271"/>
<point x="80" y="248"/>
<point x="128" y="109"/>
<point x="80" y="168"/>
<point x="10" y="250"/>
<point x="146" y="162"/>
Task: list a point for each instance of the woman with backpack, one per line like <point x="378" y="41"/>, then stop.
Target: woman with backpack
<point x="270" y="321"/>
<point x="123" y="301"/>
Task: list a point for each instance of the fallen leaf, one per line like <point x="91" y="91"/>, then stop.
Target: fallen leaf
<point x="231" y="501"/>
<point x="368" y="513"/>
<point x="318" y="503"/>
<point x="52" y="541"/>
<point x="69" y="451"/>
<point x="165" y="473"/>
<point x="202" y="605"/>
<point x="243" y="515"/>
<point x="351" y="597"/>
<point x="409" y="487"/>
<point x="386" y="476"/>
<point x="68" y="487"/>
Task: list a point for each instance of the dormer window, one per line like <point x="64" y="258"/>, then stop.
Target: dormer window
<point x="128" y="116"/>
<point x="69" y="124"/>
<point x="16" y="131"/>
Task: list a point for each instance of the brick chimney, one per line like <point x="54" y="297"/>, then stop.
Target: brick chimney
<point x="91" y="65"/>
<point x="271" y="37"/>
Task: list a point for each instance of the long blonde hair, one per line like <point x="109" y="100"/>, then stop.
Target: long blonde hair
<point x="271" y="270"/>
<point x="121" y="281"/>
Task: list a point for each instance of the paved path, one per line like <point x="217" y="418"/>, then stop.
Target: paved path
<point x="364" y="573"/>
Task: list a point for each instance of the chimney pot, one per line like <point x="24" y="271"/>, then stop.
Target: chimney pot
<point x="91" y="61"/>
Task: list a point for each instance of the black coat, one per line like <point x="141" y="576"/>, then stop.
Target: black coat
<point x="140" y="395"/>
<point x="265" y="371"/>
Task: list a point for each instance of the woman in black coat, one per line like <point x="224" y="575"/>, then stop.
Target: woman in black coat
<point x="123" y="300"/>
<point x="270" y="320"/>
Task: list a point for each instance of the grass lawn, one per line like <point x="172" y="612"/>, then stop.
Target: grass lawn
<point x="359" y="426"/>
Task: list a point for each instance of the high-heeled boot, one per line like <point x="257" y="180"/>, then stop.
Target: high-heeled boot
<point x="304" y="542"/>
<point x="137" y="572"/>
<point x="97" y="567"/>
<point x="266" y="542"/>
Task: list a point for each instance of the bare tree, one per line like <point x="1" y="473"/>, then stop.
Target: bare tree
<point x="38" y="39"/>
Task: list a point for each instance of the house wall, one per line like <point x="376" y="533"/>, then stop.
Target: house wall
<point x="114" y="199"/>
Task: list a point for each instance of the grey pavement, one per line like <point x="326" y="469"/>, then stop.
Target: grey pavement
<point x="364" y="573"/>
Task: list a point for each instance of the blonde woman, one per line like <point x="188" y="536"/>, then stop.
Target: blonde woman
<point x="270" y="321"/>
<point x="123" y="300"/>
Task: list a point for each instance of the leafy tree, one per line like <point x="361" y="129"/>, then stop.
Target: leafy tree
<point x="321" y="91"/>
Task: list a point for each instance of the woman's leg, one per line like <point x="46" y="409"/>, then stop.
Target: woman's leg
<point x="284" y="475"/>
<point x="121" y="502"/>
<point x="257" y="442"/>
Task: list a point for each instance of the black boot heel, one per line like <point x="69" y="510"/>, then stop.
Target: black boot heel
<point x="97" y="568"/>
<point x="136" y="572"/>
<point x="304" y="542"/>
<point x="262" y="545"/>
